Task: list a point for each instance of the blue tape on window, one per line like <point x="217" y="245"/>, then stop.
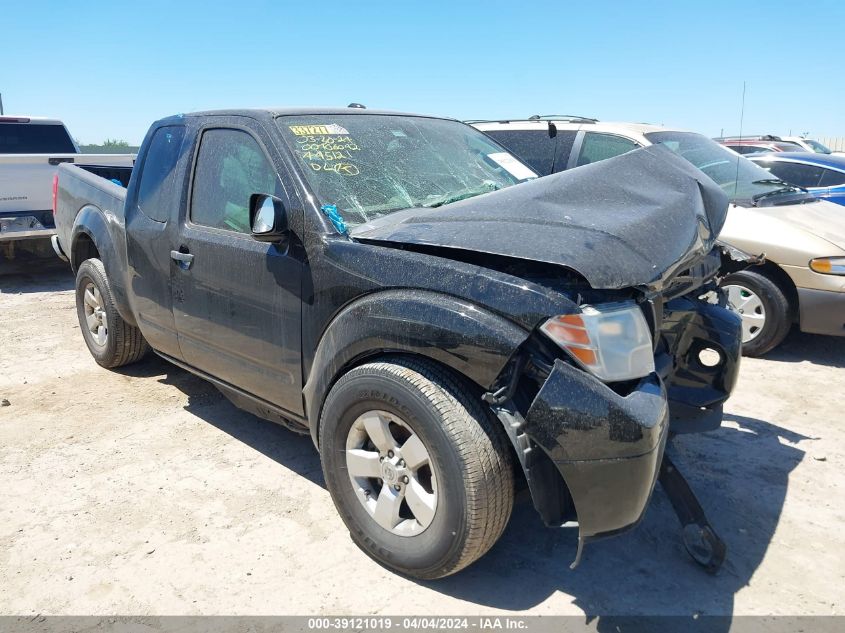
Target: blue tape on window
<point x="334" y="216"/>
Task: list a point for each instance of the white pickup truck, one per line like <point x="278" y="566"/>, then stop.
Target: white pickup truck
<point x="31" y="150"/>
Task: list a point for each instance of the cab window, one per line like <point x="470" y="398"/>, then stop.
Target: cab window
<point x="597" y="147"/>
<point x="231" y="166"/>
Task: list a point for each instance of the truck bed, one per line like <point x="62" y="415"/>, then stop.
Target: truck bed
<point x="91" y="186"/>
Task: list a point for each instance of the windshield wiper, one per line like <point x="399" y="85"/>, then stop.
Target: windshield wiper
<point x="786" y="188"/>
<point x="462" y="195"/>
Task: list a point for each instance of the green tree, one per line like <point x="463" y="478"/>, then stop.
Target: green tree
<point x="113" y="142"/>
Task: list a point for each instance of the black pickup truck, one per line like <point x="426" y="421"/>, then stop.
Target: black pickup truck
<point x="445" y="326"/>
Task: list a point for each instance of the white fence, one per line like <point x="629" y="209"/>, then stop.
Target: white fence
<point x="836" y="143"/>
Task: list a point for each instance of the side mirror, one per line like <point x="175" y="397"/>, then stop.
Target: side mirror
<point x="267" y="218"/>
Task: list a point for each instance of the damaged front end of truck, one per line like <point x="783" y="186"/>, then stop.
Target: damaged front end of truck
<point x="646" y="347"/>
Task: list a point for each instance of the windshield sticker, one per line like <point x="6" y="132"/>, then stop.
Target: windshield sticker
<point x="318" y="130"/>
<point x="512" y="165"/>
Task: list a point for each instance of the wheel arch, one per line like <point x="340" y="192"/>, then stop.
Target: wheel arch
<point x="92" y="236"/>
<point x="781" y="278"/>
<point x="548" y="488"/>
<point x="453" y="333"/>
<point x="82" y="248"/>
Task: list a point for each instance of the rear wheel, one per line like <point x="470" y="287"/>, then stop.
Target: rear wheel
<point x="419" y="471"/>
<point x="764" y="309"/>
<point x="111" y="340"/>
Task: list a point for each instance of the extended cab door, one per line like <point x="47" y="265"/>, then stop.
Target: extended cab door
<point x="236" y="301"/>
<point x="154" y="197"/>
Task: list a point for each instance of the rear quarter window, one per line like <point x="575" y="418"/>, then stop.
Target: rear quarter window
<point x="155" y="191"/>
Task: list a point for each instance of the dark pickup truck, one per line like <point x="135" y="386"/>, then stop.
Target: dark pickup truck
<point x="444" y="325"/>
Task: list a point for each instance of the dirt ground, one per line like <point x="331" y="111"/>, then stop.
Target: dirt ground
<point x="143" y="491"/>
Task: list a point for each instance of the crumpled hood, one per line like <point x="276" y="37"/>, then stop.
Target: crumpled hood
<point x="823" y="219"/>
<point x="627" y="221"/>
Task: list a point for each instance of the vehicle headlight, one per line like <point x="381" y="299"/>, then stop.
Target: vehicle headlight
<point x="612" y="340"/>
<point x="828" y="265"/>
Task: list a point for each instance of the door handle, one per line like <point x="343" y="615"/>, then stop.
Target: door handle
<point x="184" y="260"/>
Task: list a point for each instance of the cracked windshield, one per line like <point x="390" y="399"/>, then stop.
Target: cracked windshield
<point x="371" y="165"/>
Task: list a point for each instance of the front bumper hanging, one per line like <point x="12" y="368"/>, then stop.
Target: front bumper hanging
<point x="607" y="447"/>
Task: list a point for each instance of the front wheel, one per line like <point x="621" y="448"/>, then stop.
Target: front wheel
<point x="764" y="309"/>
<point x="419" y="471"/>
<point x="111" y="340"/>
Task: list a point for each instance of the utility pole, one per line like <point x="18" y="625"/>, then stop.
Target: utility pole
<point x="1" y="104"/>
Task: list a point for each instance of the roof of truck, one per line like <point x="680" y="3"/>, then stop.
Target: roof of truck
<point x="297" y="111"/>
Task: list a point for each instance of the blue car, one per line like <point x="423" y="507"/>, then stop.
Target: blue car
<point x="823" y="175"/>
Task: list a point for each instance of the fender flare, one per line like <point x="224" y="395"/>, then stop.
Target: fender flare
<point x="450" y="331"/>
<point x="92" y="222"/>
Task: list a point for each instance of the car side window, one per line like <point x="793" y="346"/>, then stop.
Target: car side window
<point x="597" y="147"/>
<point x="832" y="178"/>
<point x="158" y="173"/>
<point x="535" y="147"/>
<point x="230" y="167"/>
<point x="797" y="174"/>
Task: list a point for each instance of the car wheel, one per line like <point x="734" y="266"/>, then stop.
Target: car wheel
<point x="111" y="341"/>
<point x="420" y="472"/>
<point x="764" y="308"/>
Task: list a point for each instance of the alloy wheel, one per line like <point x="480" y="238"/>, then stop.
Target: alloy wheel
<point x="95" y="315"/>
<point x="391" y="472"/>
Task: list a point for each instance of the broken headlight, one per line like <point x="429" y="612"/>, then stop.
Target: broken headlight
<point x="612" y="340"/>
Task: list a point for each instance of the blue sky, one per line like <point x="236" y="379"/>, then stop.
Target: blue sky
<point x="110" y="68"/>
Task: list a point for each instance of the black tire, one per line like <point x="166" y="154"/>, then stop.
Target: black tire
<point x="123" y="343"/>
<point x="469" y="455"/>
<point x="777" y="309"/>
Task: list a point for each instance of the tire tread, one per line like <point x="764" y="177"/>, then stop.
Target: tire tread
<point x="489" y="478"/>
<point x="778" y="308"/>
<point x="130" y="345"/>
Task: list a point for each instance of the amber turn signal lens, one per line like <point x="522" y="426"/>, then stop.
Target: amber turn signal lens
<point x="828" y="265"/>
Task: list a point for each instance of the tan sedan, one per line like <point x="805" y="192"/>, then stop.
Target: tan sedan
<point x="803" y="278"/>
